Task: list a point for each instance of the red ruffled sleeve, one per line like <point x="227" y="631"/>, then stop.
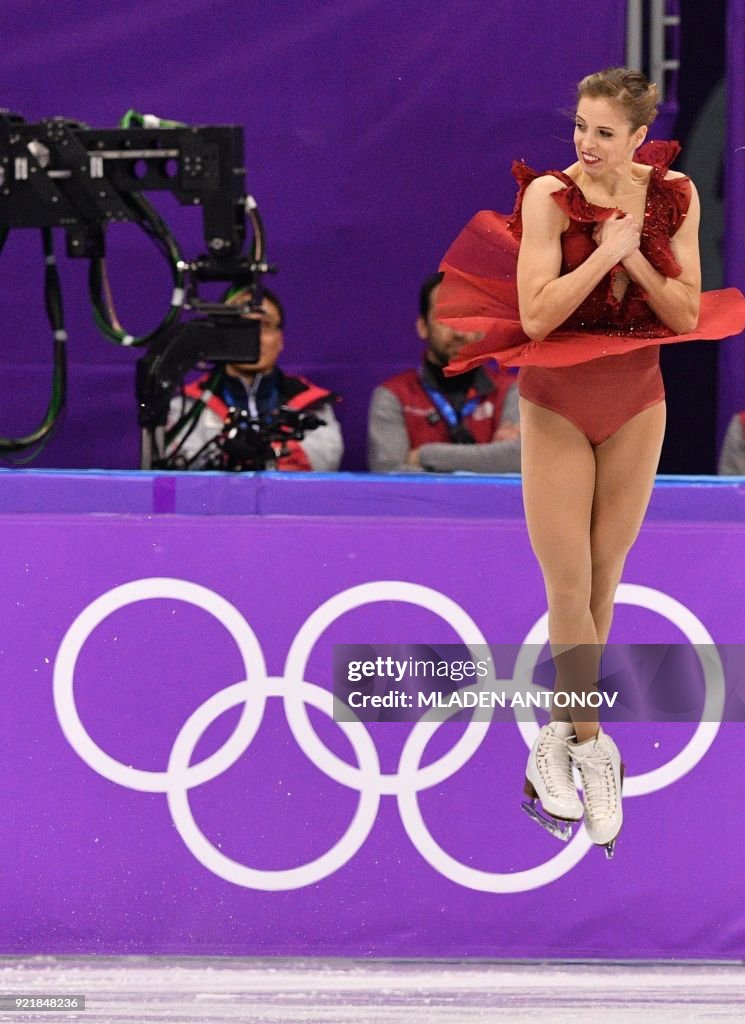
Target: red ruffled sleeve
<point x="523" y="175"/>
<point x="674" y="193"/>
<point x="659" y="153"/>
<point x="573" y="203"/>
<point x="668" y="200"/>
<point x="569" y="199"/>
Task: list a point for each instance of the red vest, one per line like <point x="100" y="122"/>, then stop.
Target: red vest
<point x="419" y="411"/>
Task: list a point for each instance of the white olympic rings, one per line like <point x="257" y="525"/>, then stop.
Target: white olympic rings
<point x="365" y="777"/>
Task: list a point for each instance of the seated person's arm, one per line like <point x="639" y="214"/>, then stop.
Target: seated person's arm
<point x="732" y="458"/>
<point x="387" y="437"/>
<point x="502" y="456"/>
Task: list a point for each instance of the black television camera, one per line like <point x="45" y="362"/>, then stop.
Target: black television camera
<point x="249" y="443"/>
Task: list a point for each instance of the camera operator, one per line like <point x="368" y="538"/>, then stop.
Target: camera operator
<point x="252" y="415"/>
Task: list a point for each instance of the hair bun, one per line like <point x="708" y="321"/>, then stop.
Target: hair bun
<point x="631" y="89"/>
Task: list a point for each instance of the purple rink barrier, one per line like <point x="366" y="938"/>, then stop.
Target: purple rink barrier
<point x="154" y="801"/>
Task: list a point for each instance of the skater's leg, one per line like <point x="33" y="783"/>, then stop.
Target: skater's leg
<point x="558" y="466"/>
<point x="625" y="470"/>
<point x="558" y="484"/>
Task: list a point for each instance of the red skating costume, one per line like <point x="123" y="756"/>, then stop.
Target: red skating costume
<point x="601" y="367"/>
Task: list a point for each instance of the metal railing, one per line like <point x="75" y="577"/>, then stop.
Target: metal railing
<point x="653" y="43"/>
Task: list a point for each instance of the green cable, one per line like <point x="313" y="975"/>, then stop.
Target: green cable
<point x="189" y="418"/>
<point x="156" y="228"/>
<point x="134" y="119"/>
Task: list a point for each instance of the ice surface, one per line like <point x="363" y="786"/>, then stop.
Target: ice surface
<point x="170" y="990"/>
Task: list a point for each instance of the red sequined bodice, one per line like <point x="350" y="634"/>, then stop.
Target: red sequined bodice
<point x="667" y="203"/>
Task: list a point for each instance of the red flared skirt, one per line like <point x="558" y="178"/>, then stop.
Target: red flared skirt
<point x="479" y="293"/>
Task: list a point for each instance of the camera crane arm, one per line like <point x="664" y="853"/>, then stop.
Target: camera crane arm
<point x="60" y="173"/>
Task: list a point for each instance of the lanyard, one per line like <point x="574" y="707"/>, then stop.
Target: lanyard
<point x="445" y="409"/>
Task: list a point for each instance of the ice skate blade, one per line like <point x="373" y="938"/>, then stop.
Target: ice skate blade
<point x="560" y="829"/>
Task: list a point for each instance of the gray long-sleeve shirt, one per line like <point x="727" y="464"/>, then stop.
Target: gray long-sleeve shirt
<point x="388" y="442"/>
<point x="732" y="457"/>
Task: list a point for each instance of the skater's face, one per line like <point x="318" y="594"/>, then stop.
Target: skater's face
<point x="603" y="138"/>
<point x="443" y="342"/>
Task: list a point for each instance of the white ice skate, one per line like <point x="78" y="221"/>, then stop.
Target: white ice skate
<point x="549" y="778"/>
<point x="599" y="764"/>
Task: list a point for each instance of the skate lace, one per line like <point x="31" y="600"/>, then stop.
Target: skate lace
<point x="554" y="766"/>
<point x="598" y="784"/>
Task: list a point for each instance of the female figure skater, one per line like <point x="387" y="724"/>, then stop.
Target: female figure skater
<point x="607" y="270"/>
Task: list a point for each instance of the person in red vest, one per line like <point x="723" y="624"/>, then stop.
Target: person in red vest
<point x="247" y="416"/>
<point x="732" y="455"/>
<point x="422" y="420"/>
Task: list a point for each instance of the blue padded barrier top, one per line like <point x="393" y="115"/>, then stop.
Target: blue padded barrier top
<point x="333" y="494"/>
